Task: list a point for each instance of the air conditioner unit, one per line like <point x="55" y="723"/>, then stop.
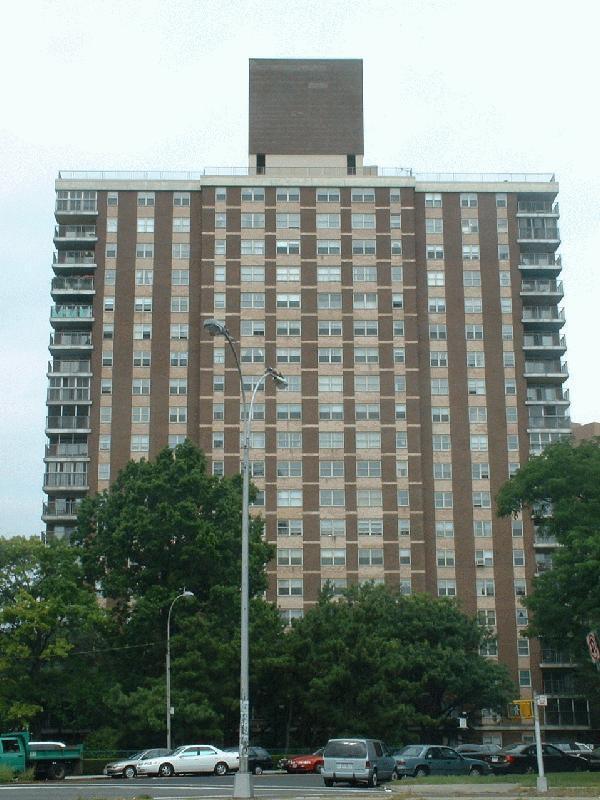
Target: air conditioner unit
<point x="480" y="562"/>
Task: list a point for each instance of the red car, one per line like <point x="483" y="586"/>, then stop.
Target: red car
<point x="309" y="763"/>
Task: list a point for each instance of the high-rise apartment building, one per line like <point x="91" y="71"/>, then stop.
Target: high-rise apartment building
<point x="415" y="318"/>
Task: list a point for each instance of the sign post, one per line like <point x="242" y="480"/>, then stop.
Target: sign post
<point x="542" y="781"/>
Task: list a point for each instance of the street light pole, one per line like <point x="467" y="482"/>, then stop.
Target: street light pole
<point x="242" y="782"/>
<point x="185" y="593"/>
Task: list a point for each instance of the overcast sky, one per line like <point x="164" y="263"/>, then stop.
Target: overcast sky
<point x="448" y="86"/>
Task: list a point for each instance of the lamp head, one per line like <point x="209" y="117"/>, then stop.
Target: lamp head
<point x="278" y="378"/>
<point x="187" y="593"/>
<point x="214" y="327"/>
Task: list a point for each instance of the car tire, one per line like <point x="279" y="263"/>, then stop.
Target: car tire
<point x="475" y="771"/>
<point x="130" y="772"/>
<point x="394" y="776"/>
<point x="421" y="772"/>
<point x="529" y="770"/>
<point x="319" y="769"/>
<point x="258" y="770"/>
<point x="328" y="781"/>
<point x="221" y="768"/>
<point x="57" y="772"/>
<point x="166" y="770"/>
<point x="373" y="782"/>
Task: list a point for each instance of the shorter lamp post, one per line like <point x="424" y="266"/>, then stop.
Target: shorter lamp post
<point x="242" y="782"/>
<point x="185" y="593"/>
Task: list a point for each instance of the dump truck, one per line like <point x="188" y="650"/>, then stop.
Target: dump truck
<point x="51" y="760"/>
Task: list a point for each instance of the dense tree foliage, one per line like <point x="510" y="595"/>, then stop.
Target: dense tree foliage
<point x="561" y="487"/>
<point x="387" y="665"/>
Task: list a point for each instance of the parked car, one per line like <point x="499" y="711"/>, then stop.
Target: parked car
<point x="482" y="751"/>
<point x="313" y="762"/>
<point x="574" y="748"/>
<point x="521" y="758"/>
<point x="357" y="761"/>
<point x="419" y="760"/>
<point x="258" y="758"/>
<point x="191" y="758"/>
<point x="128" y="767"/>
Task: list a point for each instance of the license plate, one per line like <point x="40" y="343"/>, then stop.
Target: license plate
<point x="343" y="765"/>
<point x="495" y="759"/>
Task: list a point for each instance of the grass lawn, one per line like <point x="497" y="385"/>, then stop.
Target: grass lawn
<point x="591" y="779"/>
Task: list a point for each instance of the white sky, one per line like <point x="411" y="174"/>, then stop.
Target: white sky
<point x="461" y="85"/>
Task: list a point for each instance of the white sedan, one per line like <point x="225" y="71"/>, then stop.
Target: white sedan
<point x="191" y="758"/>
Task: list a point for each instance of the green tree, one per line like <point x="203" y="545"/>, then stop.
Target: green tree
<point x="47" y="616"/>
<point x="381" y="663"/>
<point x="561" y="488"/>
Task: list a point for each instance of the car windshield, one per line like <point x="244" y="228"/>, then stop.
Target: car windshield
<point x="134" y="757"/>
<point x="410" y="750"/>
<point x="345" y="749"/>
<point x="515" y="748"/>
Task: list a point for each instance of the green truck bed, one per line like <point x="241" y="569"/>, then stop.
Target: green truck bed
<point x="54" y="762"/>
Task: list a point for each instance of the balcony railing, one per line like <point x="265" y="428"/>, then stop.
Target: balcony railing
<point x="68" y="257"/>
<point x="546" y="234"/>
<point x="86" y="205"/>
<point x="543" y="566"/>
<point x="542" y="287"/>
<point x="67" y="449"/>
<point x="538" y="340"/>
<point x="550" y="423"/>
<point x="551" y="656"/>
<point x="83" y="284"/>
<point x="62" y="339"/>
<point x="540" y="260"/>
<point x="75" y="232"/>
<point x="537" y="207"/>
<point x="545" y="540"/>
<point x="65" y="480"/>
<point x="59" y="367"/>
<point x="546" y="368"/>
<point x="66" y="423"/>
<point x="61" y="508"/>
<point x="543" y="313"/>
<point x="67" y="395"/>
<point x="71" y="312"/>
<point x="547" y="394"/>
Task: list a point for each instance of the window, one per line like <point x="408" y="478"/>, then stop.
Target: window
<point x="438" y="331"/>
<point x="520" y="588"/>
<point x="328" y="247"/>
<point x="252" y="355"/>
<point x="441" y="442"/>
<point x="522" y="647"/>
<point x="333" y="558"/>
<point x="142" y="331"/>
<point x="366" y="383"/>
<point x="443" y="499"/>
<point x="288" y="355"/>
<point x="112" y="199"/>
<point x="180" y="304"/>
<point x="328" y="274"/>
<point x="502" y="225"/>
<point x="402" y="498"/>
<point x="370" y="527"/>
<point x="475" y="358"/>
<point x="401" y="468"/>
<point x="437" y="305"/>
<point x="292" y="587"/>
<point x="363" y="247"/>
<point x="181" y="224"/>
<point x="401" y="440"/>
<point x="364" y="274"/>
<point x="141" y="358"/>
<point x="400" y="411"/>
<point x="477" y="414"/>
<point x="326" y="221"/>
<point x="252" y="220"/>
<point x="434" y="225"/>
<point x="501" y="201"/>
<point x="473" y="305"/>
<point x="446" y="588"/>
<point x="218" y="383"/>
<point x="331" y="439"/>
<point x="479" y="443"/>
<point x="476" y="386"/>
<point x="445" y="558"/>
<point x="468" y="200"/>
<point x="331" y="469"/>
<point x="439" y="386"/>
<point x="289" y="411"/>
<point x="512" y="442"/>
<point x="178" y="414"/>
<point x="368" y="440"/>
<point x="370" y="556"/>
<point x="397" y="301"/>
<point x="142" y="304"/>
<point x="145" y="225"/>
<point x="396" y="273"/>
<point x="287" y="194"/>
<point x="144" y="250"/>
<point x="504" y="278"/>
<point x="368" y="469"/>
<point x="482" y="527"/>
<point x="395" y="221"/>
<point x="253" y="327"/>
<point x="288" y="247"/>
<point x="107" y="358"/>
<point x="510" y="387"/>
<point x="252" y="300"/>
<point x="507" y="333"/>
<point x="366" y="355"/>
<point x="331" y="411"/>
<point x="489" y="647"/>
<point x="469" y="225"/>
<point x="485" y="587"/>
<point x="332" y="497"/>
<point x="363" y="195"/>
<point x="398" y="327"/>
<point x="221" y="247"/>
<point x="145" y="199"/>
<point x="434" y="252"/>
<point x="180" y="331"/>
<point x="328" y="195"/>
<point x="444" y="529"/>
<point x="442" y="471"/>
<point x="140" y="414"/>
<point x="178" y="386"/>
<point x="364" y="300"/>
<point x="438" y="358"/>
<point x="503" y="252"/>
<point x="524" y="677"/>
<point x="518" y="558"/>
<point x="330" y="355"/>
<point x="433" y="200"/>
<point x="289" y="527"/>
<point x="289" y="440"/>
<point x="511" y="413"/>
<point x="218" y="411"/>
<point x="365" y="327"/>
<point x="285" y="301"/>
<point x="506" y="305"/>
<point x="474" y="331"/>
<point x="440" y="414"/>
<point x="482" y="500"/>
<point x="333" y="527"/>
<point x="106" y="386"/>
<point x="253" y="193"/>
<point x="105" y="414"/>
<point x="175" y="439"/>
<point x="486" y="617"/>
<point x="289" y="497"/>
<point x="331" y="383"/>
<point x="366" y="411"/>
<point x="287" y="557"/>
<point x="110" y="277"/>
<point x="181" y="251"/>
<point x="508" y="358"/>
<point x="435" y="279"/>
<point x="140" y="386"/>
<point x="112" y="225"/>
<point x="252" y="247"/>
<point x="181" y="199"/>
<point x="180" y="277"/>
<point x="111" y="250"/>
<point x="471" y="278"/>
<point x="252" y="274"/>
<point x="480" y="472"/>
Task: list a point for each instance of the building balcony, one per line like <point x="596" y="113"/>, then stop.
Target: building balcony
<point x="545" y="265"/>
<point x="558" y="423"/>
<point x="68" y="395"/>
<point x="66" y="481"/>
<point x="554" y="658"/>
<point x="547" y="394"/>
<point x="544" y="208"/>
<point x="533" y="232"/>
<point x="66" y="262"/>
<point x="70" y="314"/>
<point x="56" y="424"/>
<point x="59" y="367"/>
<point x="66" y="236"/>
<point x="65" y="342"/>
<point x="66" y="450"/>
<point x="545" y="289"/>
<point x="76" y="205"/>
<point x="546" y="371"/>
<point x="544" y="343"/>
<point x="76" y="286"/>
<point x="543" y="541"/>
<point x="543" y="316"/>
<point x="61" y="509"/>
<point x="542" y="565"/>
